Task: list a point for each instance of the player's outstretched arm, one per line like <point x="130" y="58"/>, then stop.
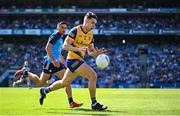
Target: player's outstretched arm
<point x="68" y="45"/>
<point x="95" y="52"/>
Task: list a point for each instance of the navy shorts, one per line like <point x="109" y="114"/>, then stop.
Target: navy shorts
<point x="50" y="69"/>
<point x="73" y="64"/>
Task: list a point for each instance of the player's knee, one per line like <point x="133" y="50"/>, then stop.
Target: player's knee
<point x="93" y="76"/>
<point x="40" y="84"/>
<point x="64" y="83"/>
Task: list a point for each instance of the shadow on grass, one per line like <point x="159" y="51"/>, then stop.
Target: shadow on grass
<point x="84" y="112"/>
<point x="88" y="110"/>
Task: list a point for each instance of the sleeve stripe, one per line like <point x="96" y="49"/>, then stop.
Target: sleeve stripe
<point x="73" y="33"/>
<point x="53" y="40"/>
<point x="71" y="37"/>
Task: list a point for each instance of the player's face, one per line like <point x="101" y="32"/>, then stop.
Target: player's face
<point x="62" y="28"/>
<point x="91" y="23"/>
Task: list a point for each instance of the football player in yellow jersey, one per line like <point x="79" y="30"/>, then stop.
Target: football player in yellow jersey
<point x="79" y="40"/>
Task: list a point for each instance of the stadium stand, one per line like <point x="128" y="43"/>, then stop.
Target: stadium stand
<point x="109" y="22"/>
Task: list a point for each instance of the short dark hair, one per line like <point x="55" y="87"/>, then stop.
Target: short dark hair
<point x="62" y="22"/>
<point x="90" y="15"/>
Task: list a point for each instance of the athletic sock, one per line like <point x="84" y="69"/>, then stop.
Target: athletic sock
<point x="70" y="100"/>
<point x="47" y="90"/>
<point x="93" y="100"/>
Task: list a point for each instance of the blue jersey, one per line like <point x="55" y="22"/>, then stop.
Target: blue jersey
<point x="56" y="40"/>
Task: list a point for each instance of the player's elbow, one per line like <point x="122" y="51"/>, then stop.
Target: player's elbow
<point x="48" y="49"/>
<point x="64" y="47"/>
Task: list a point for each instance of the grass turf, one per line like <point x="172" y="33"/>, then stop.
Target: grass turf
<point x="24" y="101"/>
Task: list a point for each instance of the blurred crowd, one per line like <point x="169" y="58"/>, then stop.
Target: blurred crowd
<point x="9" y="56"/>
<point x="16" y="55"/>
<point x="164" y="68"/>
<point x="41" y="4"/>
<point x="163" y="63"/>
<point x="108" y="22"/>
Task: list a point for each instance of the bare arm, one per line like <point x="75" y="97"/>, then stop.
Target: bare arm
<point x="95" y="52"/>
<point x="67" y="45"/>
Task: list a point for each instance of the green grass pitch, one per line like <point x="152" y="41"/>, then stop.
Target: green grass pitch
<point x="24" y="101"/>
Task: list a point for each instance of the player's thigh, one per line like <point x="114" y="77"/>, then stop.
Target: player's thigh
<point x="44" y="77"/>
<point x="86" y="71"/>
<point x="60" y="73"/>
<point x="68" y="77"/>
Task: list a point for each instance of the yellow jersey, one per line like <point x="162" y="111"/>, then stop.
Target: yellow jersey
<point x="81" y="39"/>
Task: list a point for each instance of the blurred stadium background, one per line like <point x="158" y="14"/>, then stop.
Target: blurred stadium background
<point x="143" y="39"/>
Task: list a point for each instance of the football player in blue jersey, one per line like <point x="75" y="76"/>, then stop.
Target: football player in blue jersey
<point x="54" y="63"/>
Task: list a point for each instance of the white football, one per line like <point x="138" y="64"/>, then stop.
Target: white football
<point x="102" y="61"/>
